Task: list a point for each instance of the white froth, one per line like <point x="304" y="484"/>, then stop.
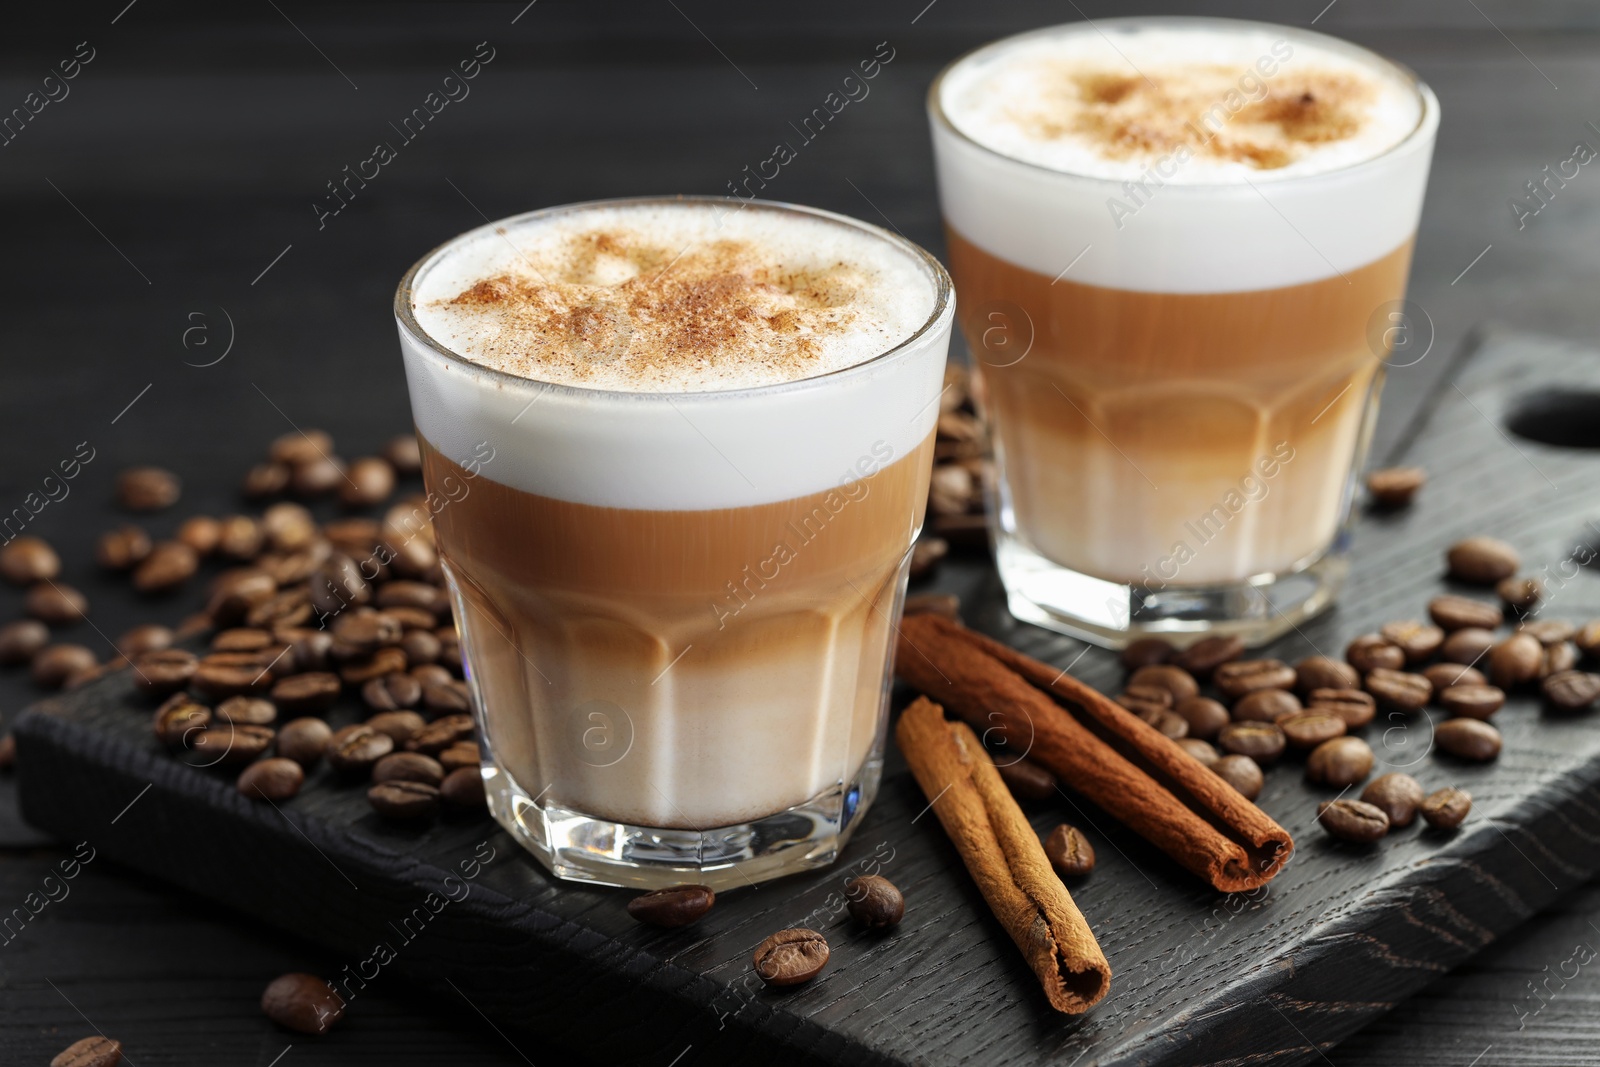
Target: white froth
<point x="1218" y="96"/>
<point x="672" y="297"/>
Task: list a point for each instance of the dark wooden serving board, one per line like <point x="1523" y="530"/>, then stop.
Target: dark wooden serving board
<point x="1275" y="976"/>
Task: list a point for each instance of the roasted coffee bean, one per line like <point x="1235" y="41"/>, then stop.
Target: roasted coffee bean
<point x="1146" y="652"/>
<point x="1472" y="701"/>
<point x="1266" y="705"/>
<point x="97" y="1051"/>
<point x="1515" y="660"/>
<point x="236" y="591"/>
<point x="1353" y="820"/>
<point x="54" y="664"/>
<point x="218" y="679"/>
<point x="1354" y="706"/>
<point x="446" y="698"/>
<point x="421" y="647"/>
<point x="1549" y="631"/>
<point x="1447" y="808"/>
<point x="463" y="789"/>
<point x="147" y="637"/>
<point x="1520" y="594"/>
<point x="1588" y="638"/>
<point x="367" y="631"/>
<point x="1340" y="761"/>
<point x="1418" y="640"/>
<point x="55" y="604"/>
<point x="301" y="446"/>
<point x="356" y="538"/>
<point x="876" y="903"/>
<point x="461" y="754"/>
<point x="338" y="585"/>
<point x="247" y="711"/>
<point x="1571" y="690"/>
<point x="227" y="744"/>
<point x="408" y="767"/>
<point x="240" y="537"/>
<point x="148" y="489"/>
<point x="1323" y="672"/>
<point x="362" y="670"/>
<point x="1203" y="751"/>
<point x="201" y="533"/>
<point x="1482" y="560"/>
<point x="404" y="454"/>
<point x="431" y="674"/>
<point x="1239" y="677"/>
<point x="177" y="718"/>
<point x="241" y="639"/>
<point x="1069" y="851"/>
<point x="1308" y="729"/>
<point x="402" y="726"/>
<point x="1394" y="487"/>
<point x="355" y="748"/>
<point x="1468" y="739"/>
<point x="120" y="549"/>
<point x="1175" y="680"/>
<point x="1241" y="772"/>
<point x="1204" y="716"/>
<point x="1145" y="696"/>
<point x="310" y="693"/>
<point x="169" y="565"/>
<point x="303" y="1003"/>
<point x="1399" y="796"/>
<point x="1468" y="646"/>
<point x="1459" y="612"/>
<point x="400" y="799"/>
<point x="164" y="670"/>
<point x="1370" y="652"/>
<point x="1165" y="722"/>
<point x="288" y="527"/>
<point x="265" y="479"/>
<point x="1558" y="658"/>
<point x="1261" y="741"/>
<point x="1148" y="710"/>
<point x="304" y="740"/>
<point x="1025" y="778"/>
<point x="1209" y="653"/>
<point x="392" y="692"/>
<point x="27" y="560"/>
<point x="370" y="481"/>
<point x="21" y="640"/>
<point x="1445" y="675"/>
<point x="790" y="957"/>
<point x="406" y="594"/>
<point x="946" y="605"/>
<point x="277" y="778"/>
<point x="674" y="906"/>
<point x="310" y="651"/>
<point x="317" y="477"/>
<point x="1400" y="690"/>
<point x="440" y="734"/>
<point x="290" y="608"/>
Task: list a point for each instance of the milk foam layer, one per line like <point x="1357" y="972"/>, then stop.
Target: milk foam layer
<point x="672" y="297"/>
<point x="1243" y="104"/>
<point x="689" y="450"/>
<point x="1153" y="212"/>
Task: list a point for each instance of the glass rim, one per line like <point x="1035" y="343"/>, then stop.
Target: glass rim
<point x="1427" y="116"/>
<point x="943" y="304"/>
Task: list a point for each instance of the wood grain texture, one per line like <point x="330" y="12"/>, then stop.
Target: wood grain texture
<point x="1341" y="936"/>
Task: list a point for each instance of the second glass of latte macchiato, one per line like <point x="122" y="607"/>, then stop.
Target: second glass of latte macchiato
<point x="682" y="448"/>
<point x="1182" y="249"/>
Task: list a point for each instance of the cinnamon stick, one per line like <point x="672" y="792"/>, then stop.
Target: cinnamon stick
<point x="1097" y="748"/>
<point x="1003" y="855"/>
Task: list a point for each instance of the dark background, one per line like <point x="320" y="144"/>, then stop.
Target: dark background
<point x="189" y="154"/>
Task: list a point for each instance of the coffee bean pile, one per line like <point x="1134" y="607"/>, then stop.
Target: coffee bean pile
<point x="298" y="614"/>
<point x="956" y="516"/>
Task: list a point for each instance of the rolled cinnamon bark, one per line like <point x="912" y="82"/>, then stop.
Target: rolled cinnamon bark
<point x="1097" y="748"/>
<point x="1004" y="857"/>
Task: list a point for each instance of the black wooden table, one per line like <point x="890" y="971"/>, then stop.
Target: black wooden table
<point x="169" y="201"/>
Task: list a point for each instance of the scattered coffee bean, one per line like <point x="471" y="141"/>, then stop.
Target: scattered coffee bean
<point x="177" y="718"/>
<point x="1515" y="660"/>
<point x="1355" y="707"/>
<point x="1175" y="680"/>
<point x="404" y="454"/>
<point x="1203" y="751"/>
<point x="309" y="693"/>
<point x="1520" y="594"/>
<point x="790" y="957"/>
<point x="422" y="647"/>
<point x="201" y="533"/>
<point x="301" y="446"/>
<point x="54" y="664"/>
<point x="164" y="671"/>
<point x="8" y="753"/>
<point x="355" y="748"/>
<point x="218" y="678"/>
<point x="147" y="637"/>
<point x="401" y="726"/>
<point x="1482" y="560"/>
<point x="1468" y="739"/>
<point x="1399" y="796"/>
<point x="122" y="548"/>
<point x="876" y="903"/>
<point x="946" y="605"/>
<point x="1339" y="762"/>
<point x="446" y="698"/>
<point x="247" y="711"/>
<point x="1588" y="638"/>
<point x="55" y="604"/>
<point x="1571" y="690"/>
<point x="147" y="489"/>
<point x="21" y="640"/>
<point x="1394" y="487"/>
<point x="672" y="907"/>
<point x="463" y="789"/>
<point x="440" y="734"/>
<point x="431" y="674"/>
<point x="1323" y="672"/>
<point x="304" y="740"/>
<point x="235" y="592"/>
<point x="169" y="565"/>
<point x="1458" y="612"/>
<point x="1445" y="675"/>
<point x="239" y="537"/>
<point x="1241" y="772"/>
<point x="1468" y="646"/>
<point x="1146" y="652"/>
<point x="1261" y="741"/>
<point x="1352" y="820"/>
<point x="1145" y="696"/>
<point x="1473" y="701"/>
<point x="1025" y="778"/>
<point x="370" y="482"/>
<point x="1240" y="677"/>
<point x="1558" y="658"/>
<point x="392" y="692"/>
<point x="1204" y="716"/>
<point x="303" y="1003"/>
<point x="1308" y="729"/>
<point x="1371" y="652"/>
<point x="1549" y="631"/>
<point x="97" y="1051"/>
<point x="310" y="651"/>
<point x="241" y="639"/>
<point x="1069" y="851"/>
<point x="318" y="477"/>
<point x="1418" y="640"/>
<point x="367" y="632"/>
<point x="1209" y="653"/>
<point x="375" y="665"/>
<point x="226" y="744"/>
<point x="1400" y="690"/>
<point x="265" y="479"/>
<point x="274" y="779"/>
<point x="1266" y="705"/>
<point x="1447" y="808"/>
<point x="461" y="754"/>
<point x="400" y="799"/>
<point x="408" y="767"/>
<point x="1165" y="722"/>
<point x="27" y="560"/>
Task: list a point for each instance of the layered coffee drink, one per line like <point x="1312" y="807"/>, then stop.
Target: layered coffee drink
<point x="677" y="578"/>
<point x="1182" y="248"/>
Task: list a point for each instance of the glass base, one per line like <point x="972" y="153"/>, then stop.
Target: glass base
<point x="1112" y="614"/>
<point x="585" y="848"/>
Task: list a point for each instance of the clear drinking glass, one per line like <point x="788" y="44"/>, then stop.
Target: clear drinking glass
<point x="1181" y="376"/>
<point x="677" y="609"/>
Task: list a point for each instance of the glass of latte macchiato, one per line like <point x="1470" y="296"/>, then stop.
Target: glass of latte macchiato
<point x="680" y="449"/>
<point x="1182" y="249"/>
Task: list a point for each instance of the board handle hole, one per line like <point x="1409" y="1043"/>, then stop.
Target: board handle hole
<point x="1560" y="417"/>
